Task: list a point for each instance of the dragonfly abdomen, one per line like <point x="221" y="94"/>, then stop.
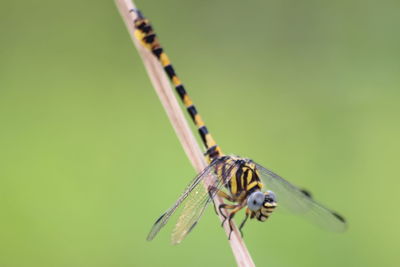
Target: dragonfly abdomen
<point x="145" y="33"/>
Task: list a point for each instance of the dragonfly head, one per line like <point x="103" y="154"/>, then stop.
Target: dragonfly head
<point x="262" y="204"/>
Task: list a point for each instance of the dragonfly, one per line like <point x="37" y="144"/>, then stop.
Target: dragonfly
<point x="241" y="182"/>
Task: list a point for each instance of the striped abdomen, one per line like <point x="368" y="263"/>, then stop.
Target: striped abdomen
<point x="145" y="33"/>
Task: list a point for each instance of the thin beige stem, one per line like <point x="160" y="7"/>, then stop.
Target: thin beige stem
<point x="179" y="123"/>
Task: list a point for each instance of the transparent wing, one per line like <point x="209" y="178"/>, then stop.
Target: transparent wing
<point x="300" y="202"/>
<point x="197" y="198"/>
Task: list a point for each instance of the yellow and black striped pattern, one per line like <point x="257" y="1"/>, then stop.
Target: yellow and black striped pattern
<point x="145" y="33"/>
<point x="241" y="175"/>
<point x="244" y="178"/>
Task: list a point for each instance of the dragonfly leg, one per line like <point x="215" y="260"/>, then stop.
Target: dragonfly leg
<point x="235" y="209"/>
<point x="244" y="221"/>
<point x="231" y="214"/>
<point x="225" y="206"/>
<point x="220" y="193"/>
<point x="211" y="190"/>
<point x="225" y="195"/>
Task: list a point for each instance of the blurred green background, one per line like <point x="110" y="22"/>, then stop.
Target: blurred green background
<point x="88" y="159"/>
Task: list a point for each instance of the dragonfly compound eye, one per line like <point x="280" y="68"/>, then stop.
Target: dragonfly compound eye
<point x="255" y="201"/>
<point x="270" y="197"/>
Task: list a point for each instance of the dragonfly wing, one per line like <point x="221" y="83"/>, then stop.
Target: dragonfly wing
<point x="193" y="184"/>
<point x="300" y="201"/>
<point x="197" y="202"/>
<point x="200" y="197"/>
<point x="194" y="207"/>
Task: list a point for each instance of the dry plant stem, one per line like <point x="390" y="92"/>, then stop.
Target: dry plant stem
<point x="181" y="127"/>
